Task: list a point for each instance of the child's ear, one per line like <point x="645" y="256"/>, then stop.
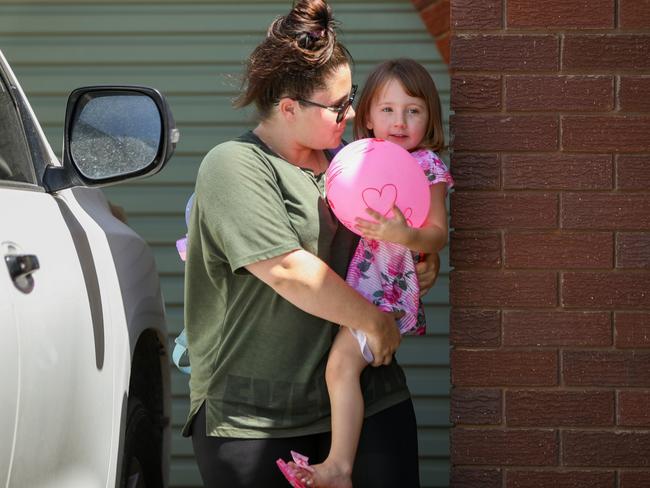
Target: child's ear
<point x="369" y="125"/>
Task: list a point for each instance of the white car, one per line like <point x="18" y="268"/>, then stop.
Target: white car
<point x="84" y="383"/>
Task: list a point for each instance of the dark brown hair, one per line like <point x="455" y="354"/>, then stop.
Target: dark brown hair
<point x="299" y="52"/>
<point x="417" y="83"/>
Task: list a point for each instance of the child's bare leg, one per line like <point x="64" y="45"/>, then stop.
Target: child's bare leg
<point x="344" y="367"/>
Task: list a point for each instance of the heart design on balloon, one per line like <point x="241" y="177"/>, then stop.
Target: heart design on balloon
<point x="408" y="211"/>
<point x="381" y="201"/>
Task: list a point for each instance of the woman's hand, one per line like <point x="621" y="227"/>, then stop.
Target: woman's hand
<point x="384" y="342"/>
<point x="427" y="272"/>
<point x="395" y="229"/>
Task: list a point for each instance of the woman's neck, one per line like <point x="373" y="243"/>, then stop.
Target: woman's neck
<point x="281" y="143"/>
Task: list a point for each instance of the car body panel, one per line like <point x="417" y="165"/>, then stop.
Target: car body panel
<point x="68" y="342"/>
<point x="62" y="354"/>
<point x="9" y="354"/>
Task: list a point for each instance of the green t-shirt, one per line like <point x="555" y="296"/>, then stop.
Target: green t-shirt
<point x="258" y="362"/>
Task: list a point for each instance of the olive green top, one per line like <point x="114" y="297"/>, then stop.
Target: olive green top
<point x="258" y="362"/>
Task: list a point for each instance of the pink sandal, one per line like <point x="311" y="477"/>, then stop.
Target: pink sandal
<point x="290" y="472"/>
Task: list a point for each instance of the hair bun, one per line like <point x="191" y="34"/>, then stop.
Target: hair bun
<point x="307" y="40"/>
<point x="299" y="52"/>
<point x="310" y="29"/>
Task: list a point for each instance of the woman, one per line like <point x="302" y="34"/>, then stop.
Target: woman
<point x="263" y="279"/>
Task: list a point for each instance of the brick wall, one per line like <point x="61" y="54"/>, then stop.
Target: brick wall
<point x="435" y="15"/>
<point x="550" y="324"/>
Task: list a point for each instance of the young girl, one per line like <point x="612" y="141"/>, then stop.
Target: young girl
<point x="399" y="104"/>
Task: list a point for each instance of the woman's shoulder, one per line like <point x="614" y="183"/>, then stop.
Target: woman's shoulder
<point x="234" y="155"/>
<point x="242" y="145"/>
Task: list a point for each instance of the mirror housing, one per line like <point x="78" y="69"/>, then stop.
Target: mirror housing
<point x="113" y="133"/>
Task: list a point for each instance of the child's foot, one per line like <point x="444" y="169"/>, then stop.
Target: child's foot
<point x="291" y="471"/>
<point x="326" y="475"/>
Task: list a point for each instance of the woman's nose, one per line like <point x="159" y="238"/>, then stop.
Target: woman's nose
<point x="350" y="113"/>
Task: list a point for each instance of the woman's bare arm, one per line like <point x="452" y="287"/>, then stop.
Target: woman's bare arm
<point x="307" y="282"/>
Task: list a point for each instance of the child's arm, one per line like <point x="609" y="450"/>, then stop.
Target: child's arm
<point x="431" y="237"/>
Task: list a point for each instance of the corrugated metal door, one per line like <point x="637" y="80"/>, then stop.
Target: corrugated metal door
<point x="193" y="52"/>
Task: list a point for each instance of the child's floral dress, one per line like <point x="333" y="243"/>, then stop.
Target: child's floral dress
<point x="384" y="272"/>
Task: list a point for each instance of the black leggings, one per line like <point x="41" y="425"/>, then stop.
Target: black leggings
<point x="387" y="456"/>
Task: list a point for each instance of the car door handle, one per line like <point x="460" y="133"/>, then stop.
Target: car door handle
<point x="21" y="266"/>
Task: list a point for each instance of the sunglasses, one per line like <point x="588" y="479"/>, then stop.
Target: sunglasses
<point x="340" y="110"/>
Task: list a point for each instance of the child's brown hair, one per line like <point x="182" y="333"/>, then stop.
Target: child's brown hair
<point x="417" y="83"/>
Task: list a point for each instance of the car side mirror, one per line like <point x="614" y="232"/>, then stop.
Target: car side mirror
<point x="113" y="133"/>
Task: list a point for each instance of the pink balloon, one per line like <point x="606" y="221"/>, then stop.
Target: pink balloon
<point x="377" y="174"/>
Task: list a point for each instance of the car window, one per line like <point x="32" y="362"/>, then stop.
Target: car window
<point x="15" y="160"/>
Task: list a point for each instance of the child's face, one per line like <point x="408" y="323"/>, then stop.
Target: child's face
<point x="398" y="117"/>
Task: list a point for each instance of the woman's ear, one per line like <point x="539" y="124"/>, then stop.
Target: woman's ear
<point x="287" y="108"/>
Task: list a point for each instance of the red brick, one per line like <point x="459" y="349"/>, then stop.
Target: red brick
<point x="504" y="447"/>
<point x="634" y="93"/>
<point x="503" y="289"/>
<point x="554" y="328"/>
<point x="606" y="368"/>
<point x="632" y="329"/>
<point x="504" y="52"/>
<point x="475" y="406"/>
<point x="503" y="368"/>
<point x="633" y="172"/>
<point x="634" y="14"/>
<point x="606" y="53"/>
<point x="475" y="478"/>
<point x="592" y="133"/>
<point x="504" y="132"/>
<point x="475" y="171"/>
<point x="633" y="250"/>
<point x="491" y="210"/>
<point x="475" y="249"/>
<point x="634" y="408"/>
<point x="563" y="250"/>
<point x="634" y="479"/>
<point x="559" y="408"/>
<point x="476" y="14"/>
<point x="558" y="171"/>
<point x="560" y="93"/>
<point x="598" y="290"/>
<point x="444" y="47"/>
<point x="607" y="211"/>
<point x="615" y="449"/>
<point x="576" y="14"/>
<point x="560" y="479"/>
<point x="474" y="328"/>
<point x="436" y="17"/>
<point x="475" y="92"/>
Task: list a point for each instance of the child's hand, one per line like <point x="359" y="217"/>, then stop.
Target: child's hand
<point x="395" y="229"/>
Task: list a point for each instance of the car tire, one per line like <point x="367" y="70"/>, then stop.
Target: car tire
<point x="141" y="464"/>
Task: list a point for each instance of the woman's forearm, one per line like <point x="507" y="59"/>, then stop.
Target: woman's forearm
<point x="307" y="282"/>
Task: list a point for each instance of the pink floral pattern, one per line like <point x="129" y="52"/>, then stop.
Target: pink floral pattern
<point x="384" y="272"/>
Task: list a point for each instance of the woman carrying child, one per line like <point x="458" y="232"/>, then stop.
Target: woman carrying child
<point x="263" y="279"/>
